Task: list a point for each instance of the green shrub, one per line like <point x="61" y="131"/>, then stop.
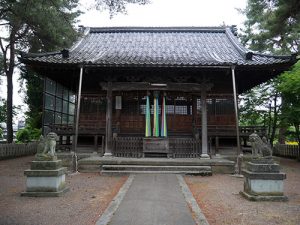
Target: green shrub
<point x="35" y="134"/>
<point x="28" y="134"/>
<point x="23" y="136"/>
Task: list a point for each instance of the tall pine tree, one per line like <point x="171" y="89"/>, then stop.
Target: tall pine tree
<point x="31" y="24"/>
<point x="272" y="26"/>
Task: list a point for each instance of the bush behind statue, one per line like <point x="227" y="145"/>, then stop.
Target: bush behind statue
<point x="28" y="134"/>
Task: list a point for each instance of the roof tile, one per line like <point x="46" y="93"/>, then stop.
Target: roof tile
<point x="159" y="46"/>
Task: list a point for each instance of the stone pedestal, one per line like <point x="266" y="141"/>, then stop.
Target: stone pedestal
<point x="45" y="179"/>
<point x="263" y="181"/>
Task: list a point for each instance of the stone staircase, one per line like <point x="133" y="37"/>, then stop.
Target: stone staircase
<point x="119" y="166"/>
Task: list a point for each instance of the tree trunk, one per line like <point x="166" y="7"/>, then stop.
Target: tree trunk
<point x="9" y="77"/>
<point x="269" y="121"/>
<point x="282" y="125"/>
<point x="281" y="135"/>
<point x="274" y="125"/>
<point x="9" y="106"/>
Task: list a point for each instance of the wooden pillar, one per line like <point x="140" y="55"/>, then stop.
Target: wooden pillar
<point x="118" y="113"/>
<point x="77" y="120"/>
<point x="204" y="124"/>
<point x="95" y="143"/>
<point x="236" y="112"/>
<point x="194" y="117"/>
<point x="108" y="130"/>
<point x="217" y="144"/>
<point x="194" y="108"/>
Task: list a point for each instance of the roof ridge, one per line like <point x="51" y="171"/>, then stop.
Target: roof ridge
<point x="158" y="29"/>
<point x="84" y="33"/>
<point x="244" y="52"/>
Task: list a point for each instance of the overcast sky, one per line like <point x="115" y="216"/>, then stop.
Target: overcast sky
<point x="170" y="13"/>
<point x="157" y="13"/>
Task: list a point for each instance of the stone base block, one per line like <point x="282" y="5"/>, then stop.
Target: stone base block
<point x="45" y="193"/>
<point x="252" y="197"/>
<point x="260" y="186"/>
<point x="46" y="165"/>
<point x="263" y="168"/>
<point x="50" y="184"/>
<point x="263" y="181"/>
<point x="45" y="179"/>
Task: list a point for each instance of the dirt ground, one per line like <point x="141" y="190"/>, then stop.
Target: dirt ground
<point x="89" y="195"/>
<point x="219" y="199"/>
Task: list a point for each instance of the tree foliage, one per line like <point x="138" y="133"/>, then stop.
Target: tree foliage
<point x="260" y="106"/>
<point x="28" y="134"/>
<point x="117" y="6"/>
<point x="290" y="89"/>
<point x="33" y="24"/>
<point x="34" y="97"/>
<point x="3" y="108"/>
<point x="272" y="25"/>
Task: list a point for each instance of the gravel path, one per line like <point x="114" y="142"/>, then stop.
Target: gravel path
<point x="88" y="197"/>
<point x="218" y="197"/>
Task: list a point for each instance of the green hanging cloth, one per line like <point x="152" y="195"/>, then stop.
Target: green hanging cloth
<point x="147" y="119"/>
<point x="155" y="118"/>
<point x="163" y="132"/>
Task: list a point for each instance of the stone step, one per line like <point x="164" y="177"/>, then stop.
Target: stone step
<point x="95" y="163"/>
<point x="127" y="172"/>
<point x="118" y="169"/>
<point x="153" y="168"/>
<point x="88" y="168"/>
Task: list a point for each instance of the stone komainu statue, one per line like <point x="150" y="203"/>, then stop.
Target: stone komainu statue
<point x="260" y="147"/>
<point x="46" y="147"/>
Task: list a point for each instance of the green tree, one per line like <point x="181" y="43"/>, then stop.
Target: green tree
<point x="1" y="133"/>
<point x="117" y="6"/>
<point x="3" y="108"/>
<point x="272" y="25"/>
<point x="33" y="85"/>
<point x="290" y="88"/>
<point x="260" y="106"/>
<point x="33" y="24"/>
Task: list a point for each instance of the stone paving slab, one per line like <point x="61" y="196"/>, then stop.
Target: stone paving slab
<point x="153" y="199"/>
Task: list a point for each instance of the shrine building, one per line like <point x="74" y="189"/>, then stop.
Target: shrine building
<point x="147" y="91"/>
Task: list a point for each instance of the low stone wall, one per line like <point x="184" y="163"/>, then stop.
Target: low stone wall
<point x="16" y="150"/>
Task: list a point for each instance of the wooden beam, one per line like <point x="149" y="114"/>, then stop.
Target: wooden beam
<point x="145" y="86"/>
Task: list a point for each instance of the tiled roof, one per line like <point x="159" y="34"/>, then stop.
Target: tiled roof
<point x="164" y="46"/>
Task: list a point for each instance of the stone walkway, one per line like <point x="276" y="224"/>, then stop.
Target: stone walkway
<point x="153" y="199"/>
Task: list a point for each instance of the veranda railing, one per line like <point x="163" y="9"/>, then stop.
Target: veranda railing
<point x="179" y="147"/>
